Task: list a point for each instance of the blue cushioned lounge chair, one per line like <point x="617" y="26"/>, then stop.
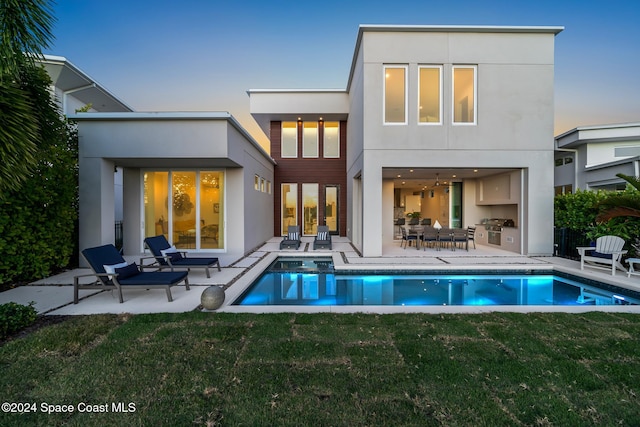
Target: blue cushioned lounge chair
<point x="175" y="259"/>
<point x="123" y="275"/>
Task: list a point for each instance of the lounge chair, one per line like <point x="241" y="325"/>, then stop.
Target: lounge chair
<point x="608" y="251"/>
<point x="167" y="256"/>
<point x="292" y="239"/>
<point x="113" y="272"/>
<point x="323" y="238"/>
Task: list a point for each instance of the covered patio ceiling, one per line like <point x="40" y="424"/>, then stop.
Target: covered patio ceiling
<point x="426" y="177"/>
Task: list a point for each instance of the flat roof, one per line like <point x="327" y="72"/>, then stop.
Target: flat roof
<point x="173" y="115"/>
<point x="462" y="28"/>
<point x="444" y="29"/>
<point x="614" y="132"/>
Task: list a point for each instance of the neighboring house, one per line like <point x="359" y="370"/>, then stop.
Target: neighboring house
<point x="453" y="122"/>
<point x="74" y="89"/>
<point x="589" y="157"/>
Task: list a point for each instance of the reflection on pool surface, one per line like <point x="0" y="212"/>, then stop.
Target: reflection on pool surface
<point x="317" y="284"/>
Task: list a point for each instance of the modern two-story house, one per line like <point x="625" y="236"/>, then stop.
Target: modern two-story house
<point x="450" y="123"/>
<point x="589" y="157"/>
<point x="453" y="123"/>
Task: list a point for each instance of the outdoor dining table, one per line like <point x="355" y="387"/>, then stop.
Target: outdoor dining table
<point x="445" y="235"/>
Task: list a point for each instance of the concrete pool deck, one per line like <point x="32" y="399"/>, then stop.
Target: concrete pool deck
<point x="54" y="295"/>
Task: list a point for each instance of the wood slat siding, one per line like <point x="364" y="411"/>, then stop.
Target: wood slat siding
<point x="309" y="171"/>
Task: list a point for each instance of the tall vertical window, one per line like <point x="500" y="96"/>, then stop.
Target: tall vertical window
<point x="289" y="194"/>
<point x="310" y="209"/>
<point x="183" y="203"/>
<point x="310" y="139"/>
<point x="429" y="98"/>
<point x="395" y="95"/>
<point x="289" y="147"/>
<point x="464" y="94"/>
<point x="331" y="140"/>
<point x="211" y="210"/>
<point x="156" y="204"/>
<point x="331" y="207"/>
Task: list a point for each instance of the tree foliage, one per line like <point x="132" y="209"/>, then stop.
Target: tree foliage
<point x="37" y="221"/>
<point x="622" y="204"/>
<point x="578" y="211"/>
<point x="25" y="29"/>
<point x="600" y="213"/>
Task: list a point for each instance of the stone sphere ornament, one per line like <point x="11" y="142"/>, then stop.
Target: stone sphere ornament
<point x="212" y="298"/>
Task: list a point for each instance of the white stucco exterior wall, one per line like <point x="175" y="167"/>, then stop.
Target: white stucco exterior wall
<point x="169" y="141"/>
<point x="514" y="118"/>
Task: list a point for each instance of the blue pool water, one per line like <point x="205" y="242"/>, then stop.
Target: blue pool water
<point x="313" y="282"/>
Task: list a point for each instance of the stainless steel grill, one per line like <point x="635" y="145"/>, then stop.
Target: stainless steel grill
<point x="494" y="229"/>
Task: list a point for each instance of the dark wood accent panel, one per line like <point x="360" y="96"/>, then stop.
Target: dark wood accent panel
<point x="309" y="171"/>
<point x="275" y="136"/>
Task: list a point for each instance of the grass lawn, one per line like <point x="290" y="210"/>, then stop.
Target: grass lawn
<point x="332" y="370"/>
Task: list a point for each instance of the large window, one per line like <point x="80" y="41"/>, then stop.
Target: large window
<point x="289" y="146"/>
<point x="429" y="99"/>
<point x="185" y="206"/>
<point x="211" y="210"/>
<point x="310" y="139"/>
<point x="464" y="95"/>
<point x="310" y="209"/>
<point x="289" y="206"/>
<point x="395" y="95"/>
<point x="331" y="207"/>
<point x="331" y="143"/>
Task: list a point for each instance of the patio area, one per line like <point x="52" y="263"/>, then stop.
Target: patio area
<point x="54" y="295"/>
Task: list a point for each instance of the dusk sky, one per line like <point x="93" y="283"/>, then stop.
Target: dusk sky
<point x="203" y="55"/>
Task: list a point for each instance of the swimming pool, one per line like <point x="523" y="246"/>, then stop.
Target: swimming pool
<point x="313" y="282"/>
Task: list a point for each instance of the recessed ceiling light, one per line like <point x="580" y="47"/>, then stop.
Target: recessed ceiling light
<point x="399" y="175"/>
<point x="410" y="170"/>
<point x="475" y="170"/>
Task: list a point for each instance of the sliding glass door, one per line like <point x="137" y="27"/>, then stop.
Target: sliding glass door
<point x="310" y="209"/>
<point x="187" y="207"/>
<point x="331" y="208"/>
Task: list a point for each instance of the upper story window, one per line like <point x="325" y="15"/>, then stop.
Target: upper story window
<point x="395" y="95"/>
<point x="310" y="139"/>
<point x="464" y="94"/>
<point x="289" y="145"/>
<point x="429" y="97"/>
<point x="563" y="161"/>
<point x="331" y="143"/>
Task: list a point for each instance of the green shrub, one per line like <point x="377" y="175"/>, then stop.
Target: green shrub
<point x="577" y="211"/>
<point x="14" y="317"/>
<point x="37" y="220"/>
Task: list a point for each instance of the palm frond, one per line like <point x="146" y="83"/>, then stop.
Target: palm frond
<point x="633" y="180"/>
